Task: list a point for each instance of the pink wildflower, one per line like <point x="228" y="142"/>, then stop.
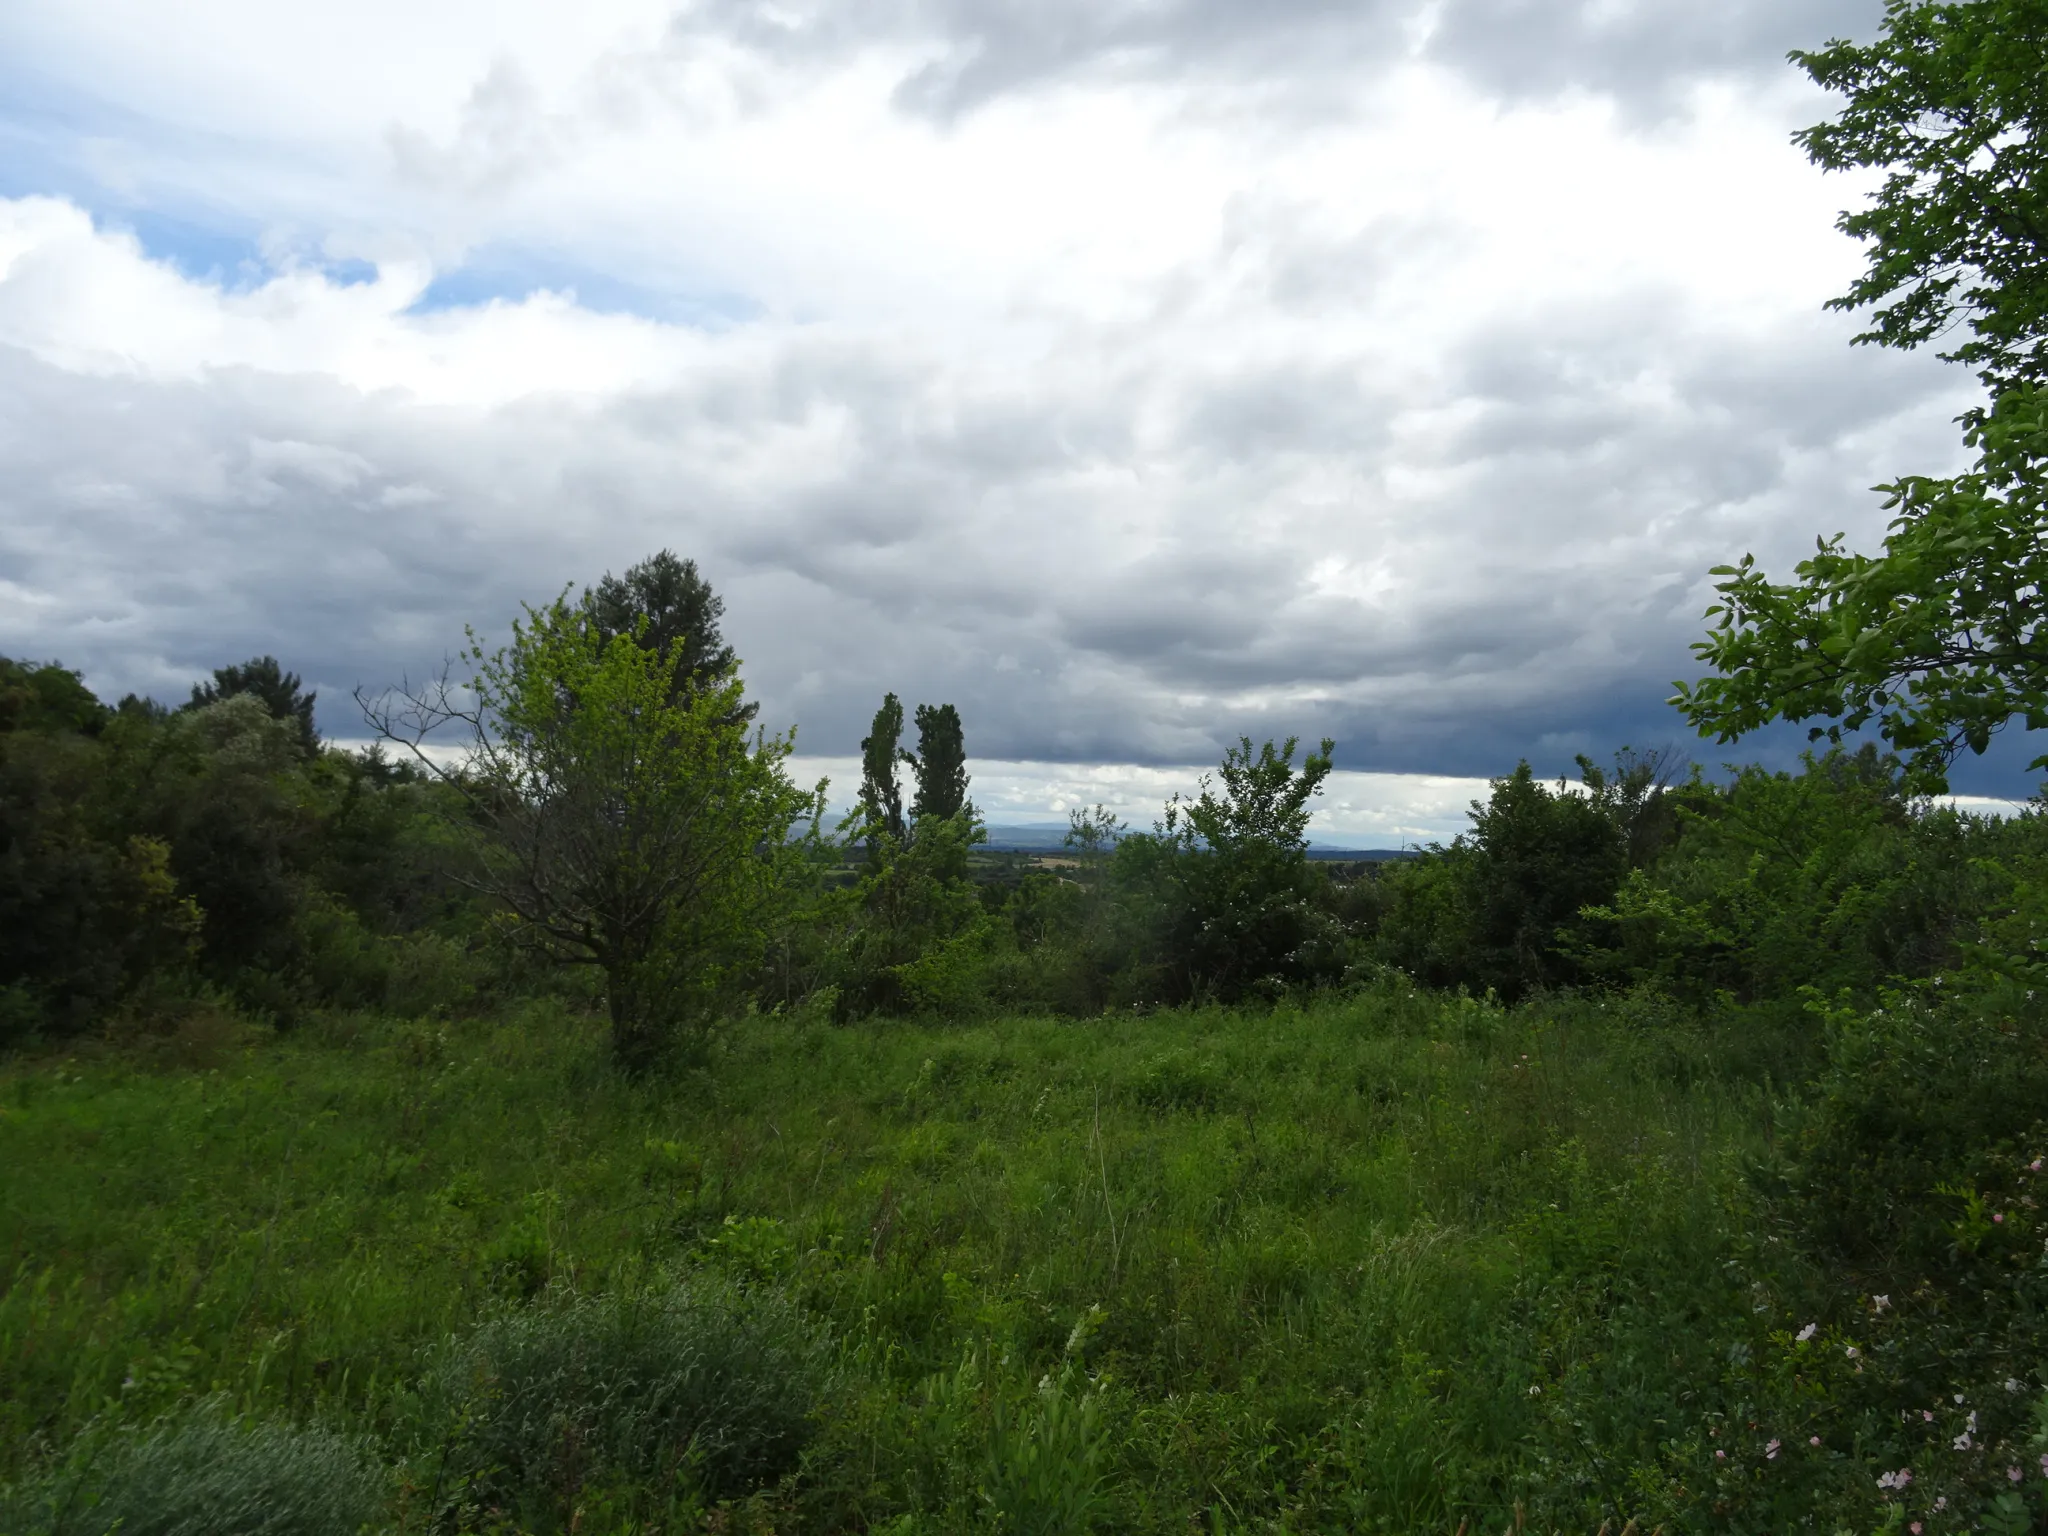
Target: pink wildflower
<point x="1771" y="1452"/>
<point x="1813" y="1439"/>
<point x="2014" y="1474"/>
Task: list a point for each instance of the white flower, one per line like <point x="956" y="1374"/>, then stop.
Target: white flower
<point x="1807" y="1332"/>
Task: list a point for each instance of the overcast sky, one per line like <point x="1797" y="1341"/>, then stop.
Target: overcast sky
<point x="1132" y="375"/>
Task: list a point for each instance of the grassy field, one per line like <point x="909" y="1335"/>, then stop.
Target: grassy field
<point x="1388" y="1263"/>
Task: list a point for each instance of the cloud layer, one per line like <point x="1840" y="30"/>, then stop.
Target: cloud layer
<point x="1132" y="376"/>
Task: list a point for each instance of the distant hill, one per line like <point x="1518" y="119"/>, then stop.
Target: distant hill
<point x="1050" y="837"/>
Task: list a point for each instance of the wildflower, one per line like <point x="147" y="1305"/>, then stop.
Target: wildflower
<point x="1941" y="1503"/>
<point x="1914" y="1528"/>
<point x="1771" y="1451"/>
<point x="1898" y="1479"/>
<point x="1998" y="1215"/>
<point x="1959" y="1399"/>
<point x="2034" y="1166"/>
<point x="1852" y="1351"/>
<point x="2014" y="1474"/>
<point x="1807" y="1332"/>
<point x="1813" y="1439"/>
<point x="2012" y="1384"/>
<point x="1926" y="1416"/>
<point x="1720" y="1455"/>
<point x="1880" y="1302"/>
<point x="1961" y="1442"/>
<point x="1535" y="1391"/>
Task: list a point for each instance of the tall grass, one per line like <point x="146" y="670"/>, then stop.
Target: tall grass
<point x="1386" y="1262"/>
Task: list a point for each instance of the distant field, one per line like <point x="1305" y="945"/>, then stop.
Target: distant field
<point x="1385" y="1264"/>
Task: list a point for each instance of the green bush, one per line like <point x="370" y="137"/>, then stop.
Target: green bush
<point x="694" y="1392"/>
<point x="204" y="1472"/>
<point x="1500" y="908"/>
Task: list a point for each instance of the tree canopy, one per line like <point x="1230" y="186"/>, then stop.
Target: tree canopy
<point x="1951" y="102"/>
<point x="940" y="763"/>
<point x="664" y="605"/>
<point x="277" y="690"/>
<point x="1940" y="639"/>
<point x="1937" y="640"/>
<point x="642" y="831"/>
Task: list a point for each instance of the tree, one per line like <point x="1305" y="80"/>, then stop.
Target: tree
<point x="939" y="764"/>
<point x="1227" y="873"/>
<point x="47" y="698"/>
<point x="1952" y="103"/>
<point x="881" y="797"/>
<point x="620" y="820"/>
<point x="279" y="692"/>
<point x="663" y="604"/>
<point x="1940" y="639"/>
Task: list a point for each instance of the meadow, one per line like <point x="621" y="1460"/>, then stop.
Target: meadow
<point x="1384" y="1261"/>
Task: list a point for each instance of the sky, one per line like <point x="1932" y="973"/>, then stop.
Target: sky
<point x="1134" y="374"/>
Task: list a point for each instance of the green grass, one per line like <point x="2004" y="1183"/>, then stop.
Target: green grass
<point x="1381" y="1263"/>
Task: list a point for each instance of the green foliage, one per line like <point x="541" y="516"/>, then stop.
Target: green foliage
<point x="939" y="765"/>
<point x="909" y="934"/>
<point x="621" y="821"/>
<point x="665" y="606"/>
<point x="1500" y="909"/>
<point x="277" y="690"/>
<point x="86" y="914"/>
<point x="200" y="1472"/>
<point x="683" y="1395"/>
<point x="47" y="698"/>
<point x="1833" y="878"/>
<point x="1951" y="104"/>
<point x="1939" y="639"/>
<point x="1224" y="881"/>
<point x="881" y="794"/>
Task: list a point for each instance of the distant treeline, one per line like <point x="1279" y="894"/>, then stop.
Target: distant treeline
<point x="153" y="858"/>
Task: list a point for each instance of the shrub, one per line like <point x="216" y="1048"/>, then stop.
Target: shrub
<point x="699" y="1390"/>
<point x="201" y="1473"/>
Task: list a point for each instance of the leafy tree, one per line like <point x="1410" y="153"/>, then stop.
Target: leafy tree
<point x="1636" y="795"/>
<point x="277" y="690"/>
<point x="881" y="796"/>
<point x="1227" y="877"/>
<point x="665" y="605"/>
<point x="639" y="830"/>
<point x="1952" y="104"/>
<point x="1502" y="906"/>
<point x="939" y="765"/>
<point x="47" y="698"/>
<point x="1940" y="639"/>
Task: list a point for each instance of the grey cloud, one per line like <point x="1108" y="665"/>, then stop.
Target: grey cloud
<point x="1637" y="52"/>
<point x="1317" y="52"/>
<point x="1519" y="566"/>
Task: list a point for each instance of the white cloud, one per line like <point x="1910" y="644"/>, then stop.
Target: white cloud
<point x="1172" y="385"/>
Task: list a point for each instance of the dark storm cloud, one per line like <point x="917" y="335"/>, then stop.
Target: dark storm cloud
<point x="1644" y="53"/>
